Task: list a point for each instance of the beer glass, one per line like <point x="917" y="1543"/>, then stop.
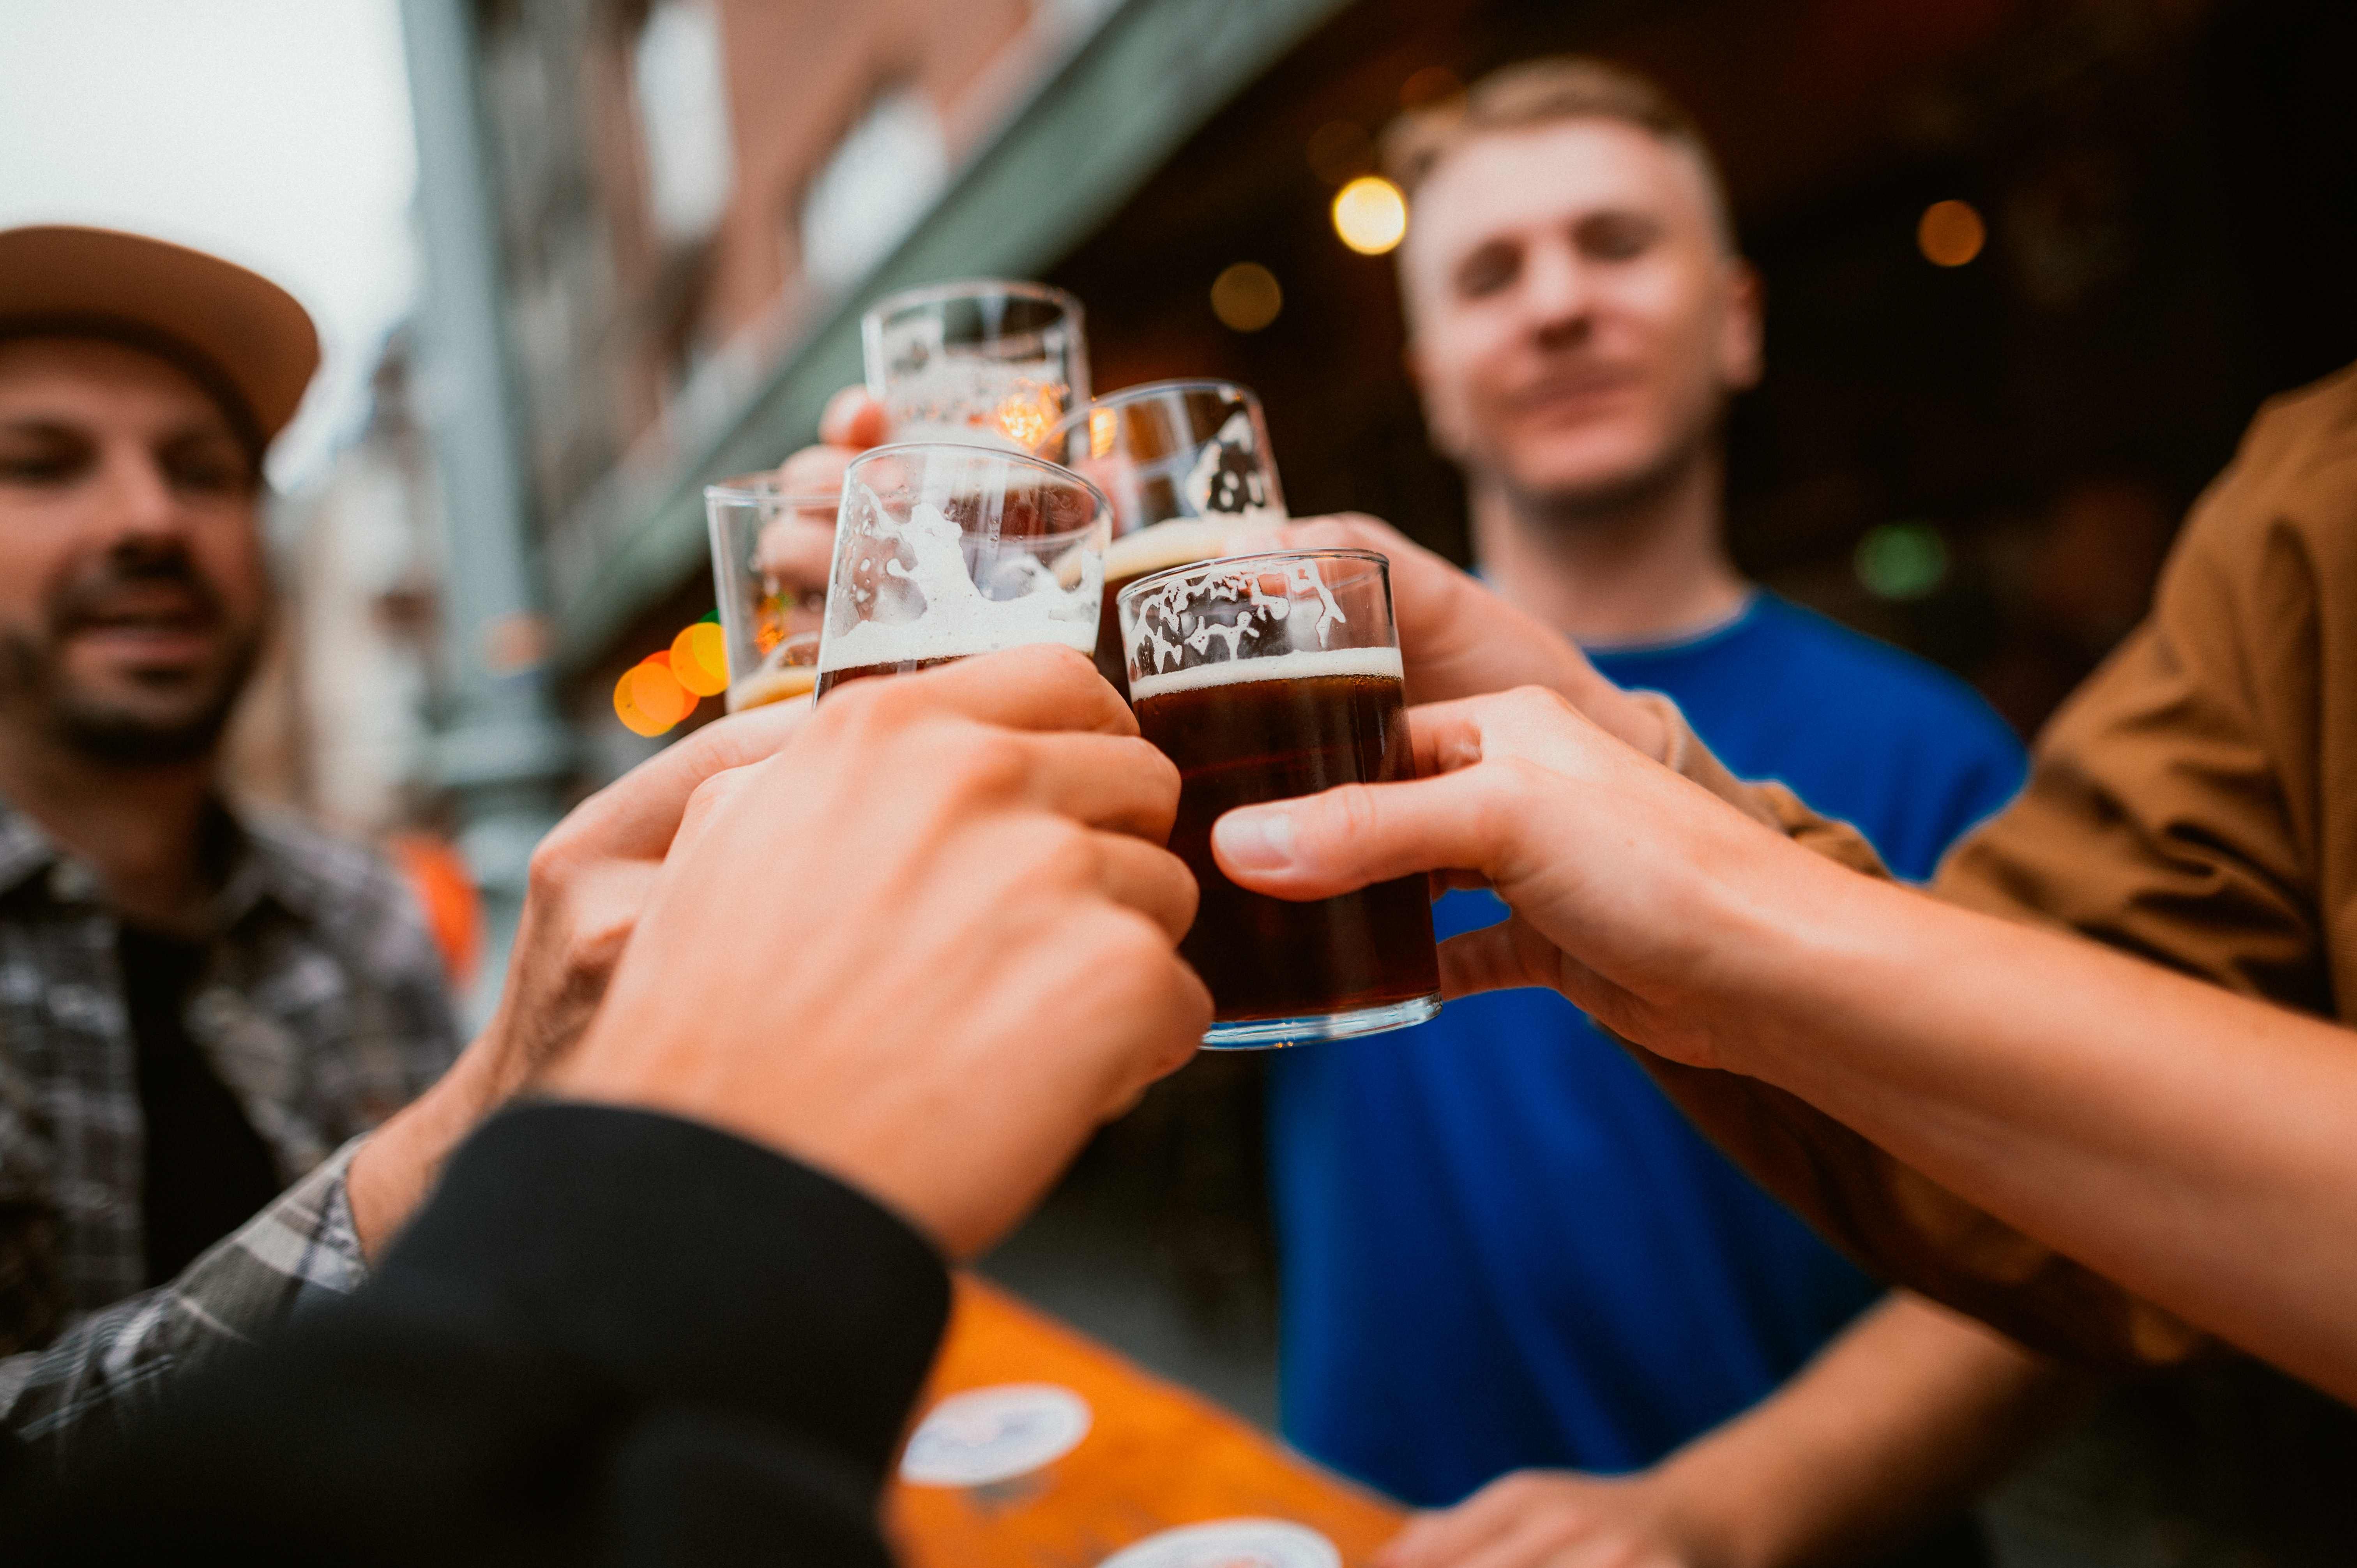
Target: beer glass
<point x="941" y="552"/>
<point x="988" y="360"/>
<point x="771" y="551"/>
<point x="1266" y="677"/>
<point x="1184" y="463"/>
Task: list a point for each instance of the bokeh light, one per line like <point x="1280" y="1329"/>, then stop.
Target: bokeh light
<point x="654" y="695"/>
<point x="657" y="692"/>
<point x="1027" y="418"/>
<point x="1246" y="296"/>
<point x="1103" y="426"/>
<point x="699" y="659"/>
<point x="1902" y="560"/>
<point x="1950" y="233"/>
<point x="1371" y="215"/>
<point x="626" y="706"/>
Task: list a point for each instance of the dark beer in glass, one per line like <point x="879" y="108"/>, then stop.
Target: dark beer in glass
<point x="945" y="551"/>
<point x="1264" y="677"/>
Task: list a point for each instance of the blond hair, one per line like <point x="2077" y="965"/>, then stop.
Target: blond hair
<point x="1548" y="92"/>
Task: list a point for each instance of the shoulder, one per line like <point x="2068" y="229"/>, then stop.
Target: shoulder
<point x="2306" y="436"/>
<point x="2277" y="531"/>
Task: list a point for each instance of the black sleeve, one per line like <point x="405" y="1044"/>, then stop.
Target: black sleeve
<point x="612" y="1337"/>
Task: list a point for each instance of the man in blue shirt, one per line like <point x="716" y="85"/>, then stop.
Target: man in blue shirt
<point x="1502" y="1248"/>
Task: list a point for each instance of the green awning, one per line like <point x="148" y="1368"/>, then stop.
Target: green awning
<point x="1154" y="73"/>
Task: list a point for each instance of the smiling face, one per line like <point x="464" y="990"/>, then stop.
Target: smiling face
<point x="1577" y="320"/>
<point x="133" y="594"/>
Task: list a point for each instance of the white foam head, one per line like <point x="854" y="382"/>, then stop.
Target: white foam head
<point x="1303" y="664"/>
<point x="1178" y="542"/>
<point x="957" y="620"/>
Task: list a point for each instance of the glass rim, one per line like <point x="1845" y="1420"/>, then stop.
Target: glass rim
<point x="1122" y="396"/>
<point x="1342" y="551"/>
<point x="764" y="487"/>
<point x="968" y="288"/>
<point x="1053" y="470"/>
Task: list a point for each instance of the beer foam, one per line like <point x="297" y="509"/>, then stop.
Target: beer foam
<point x="958" y="620"/>
<point x="1177" y="543"/>
<point x="1303" y="664"/>
<point x="772" y="686"/>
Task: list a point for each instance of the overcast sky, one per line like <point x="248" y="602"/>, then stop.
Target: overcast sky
<point x="273" y="132"/>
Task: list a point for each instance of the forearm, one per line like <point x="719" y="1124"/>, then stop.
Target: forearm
<point x="2189" y="1143"/>
<point x="1903" y="1418"/>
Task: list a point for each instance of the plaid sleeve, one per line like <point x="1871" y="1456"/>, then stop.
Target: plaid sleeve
<point x="113" y="1361"/>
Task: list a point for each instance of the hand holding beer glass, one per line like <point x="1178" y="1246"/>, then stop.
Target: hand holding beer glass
<point x="1185" y="463"/>
<point x="1264" y="677"/>
<point x="943" y="551"/>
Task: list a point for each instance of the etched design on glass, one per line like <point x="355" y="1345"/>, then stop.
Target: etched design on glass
<point x="1253" y="602"/>
<point x="1228" y="477"/>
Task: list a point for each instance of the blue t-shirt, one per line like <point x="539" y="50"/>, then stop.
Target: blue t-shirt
<point x="1502" y="1246"/>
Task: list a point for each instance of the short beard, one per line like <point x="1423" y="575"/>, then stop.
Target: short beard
<point x="113" y="734"/>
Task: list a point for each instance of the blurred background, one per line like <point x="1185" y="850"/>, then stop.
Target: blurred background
<point x="2030" y="264"/>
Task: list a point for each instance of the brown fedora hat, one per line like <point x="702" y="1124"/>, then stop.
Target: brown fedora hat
<point x="245" y="337"/>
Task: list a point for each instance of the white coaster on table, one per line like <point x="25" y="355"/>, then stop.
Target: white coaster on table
<point x="995" y="1434"/>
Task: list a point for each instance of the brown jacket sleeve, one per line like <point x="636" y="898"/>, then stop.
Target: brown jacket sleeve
<point x="2178" y="809"/>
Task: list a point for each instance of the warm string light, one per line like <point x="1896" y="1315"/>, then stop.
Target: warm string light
<point x="1246" y="296"/>
<point x="657" y="692"/>
<point x="1371" y="215"/>
<point x="1950" y="233"/>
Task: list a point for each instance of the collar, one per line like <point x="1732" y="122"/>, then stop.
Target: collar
<point x="1684" y="641"/>
<point x="258" y="864"/>
<point x="24" y="847"/>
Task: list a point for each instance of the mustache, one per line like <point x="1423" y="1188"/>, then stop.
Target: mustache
<point x="89" y="596"/>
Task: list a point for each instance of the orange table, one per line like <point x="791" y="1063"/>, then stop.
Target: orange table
<point x="1156" y="1456"/>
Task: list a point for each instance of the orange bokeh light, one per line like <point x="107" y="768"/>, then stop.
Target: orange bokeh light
<point x="626" y="708"/>
<point x="1950" y="233"/>
<point x="649" y="699"/>
<point x="699" y="659"/>
<point x="1026" y="419"/>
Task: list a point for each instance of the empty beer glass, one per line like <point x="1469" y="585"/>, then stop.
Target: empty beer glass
<point x="1264" y="677"/>
<point x="771" y="551"/>
<point x="1185" y="463"/>
<point x="942" y="552"/>
<point x="988" y="360"/>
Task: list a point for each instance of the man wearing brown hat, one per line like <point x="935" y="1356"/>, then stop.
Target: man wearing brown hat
<point x="197" y="1007"/>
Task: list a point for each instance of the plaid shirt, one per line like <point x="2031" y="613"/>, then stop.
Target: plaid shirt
<point x="321" y="1006"/>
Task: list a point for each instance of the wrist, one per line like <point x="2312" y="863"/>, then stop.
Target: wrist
<point x="1626" y="716"/>
<point x="1790" y="940"/>
<point x="393" y="1170"/>
<point x="1713" y="1514"/>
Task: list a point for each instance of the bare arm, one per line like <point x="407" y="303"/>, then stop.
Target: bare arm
<point x="2192" y="1146"/>
<point x="1908" y="1415"/>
